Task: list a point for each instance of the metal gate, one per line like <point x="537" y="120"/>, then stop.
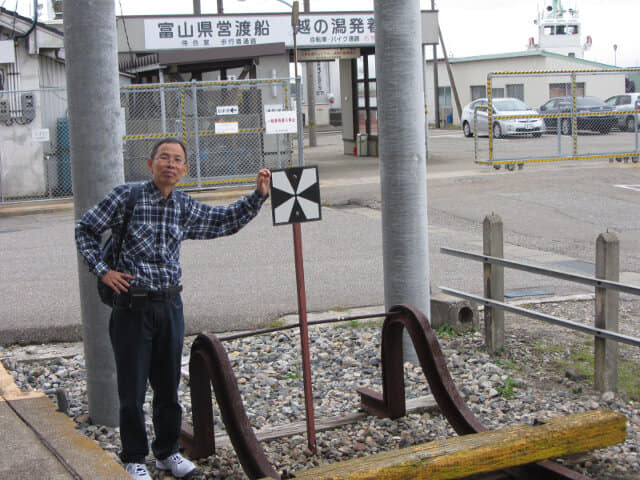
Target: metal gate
<point x="576" y="124"/>
<point x="221" y="123"/>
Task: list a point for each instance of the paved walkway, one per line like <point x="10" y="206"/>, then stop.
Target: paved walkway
<point x="38" y="442"/>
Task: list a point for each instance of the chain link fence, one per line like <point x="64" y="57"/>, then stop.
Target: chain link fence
<point x="563" y="116"/>
<point x="223" y="124"/>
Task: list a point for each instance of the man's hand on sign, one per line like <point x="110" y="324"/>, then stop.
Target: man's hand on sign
<point x="263" y="181"/>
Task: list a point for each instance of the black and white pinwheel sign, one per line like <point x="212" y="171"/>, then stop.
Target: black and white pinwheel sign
<point x="295" y="195"/>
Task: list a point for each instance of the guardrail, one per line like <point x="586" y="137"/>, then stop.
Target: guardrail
<point x="607" y="289"/>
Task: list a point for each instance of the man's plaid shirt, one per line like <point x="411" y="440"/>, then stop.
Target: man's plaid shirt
<point x="151" y="248"/>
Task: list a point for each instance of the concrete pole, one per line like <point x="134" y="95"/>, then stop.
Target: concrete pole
<point x="96" y="130"/>
<point x="607" y="303"/>
<point x="436" y="95"/>
<point x="311" y="93"/>
<point x="197" y="9"/>
<point x="403" y="168"/>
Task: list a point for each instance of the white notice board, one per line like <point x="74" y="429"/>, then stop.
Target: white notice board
<point x="281" y="122"/>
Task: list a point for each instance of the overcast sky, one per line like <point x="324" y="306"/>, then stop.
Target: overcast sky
<point x="469" y="27"/>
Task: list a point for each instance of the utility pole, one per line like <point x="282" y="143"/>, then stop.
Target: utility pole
<point x="403" y="169"/>
<point x="197" y="9"/>
<point x="311" y="93"/>
<point x="450" y="72"/>
<point x="436" y="93"/>
<point x="96" y="130"/>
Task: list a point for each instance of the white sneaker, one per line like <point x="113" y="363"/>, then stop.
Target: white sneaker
<point x="137" y="471"/>
<point x="179" y="466"/>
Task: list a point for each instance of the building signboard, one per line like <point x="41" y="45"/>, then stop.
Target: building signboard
<point x="327" y="54"/>
<point x="313" y="31"/>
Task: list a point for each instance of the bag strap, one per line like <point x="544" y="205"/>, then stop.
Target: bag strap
<point x="134" y="194"/>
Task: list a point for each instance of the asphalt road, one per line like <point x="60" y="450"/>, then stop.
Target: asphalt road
<point x="552" y="213"/>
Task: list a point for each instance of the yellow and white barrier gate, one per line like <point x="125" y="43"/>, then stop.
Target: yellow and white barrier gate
<point x="575" y="127"/>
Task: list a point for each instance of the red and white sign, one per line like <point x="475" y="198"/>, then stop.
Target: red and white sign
<point x="280" y="122"/>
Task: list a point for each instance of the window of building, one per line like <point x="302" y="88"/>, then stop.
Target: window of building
<point x="497" y="92"/>
<point x="366" y="108"/>
<point x="516" y="90"/>
<point x="562" y="89"/>
<point x="478" y="91"/>
<point x="444" y="96"/>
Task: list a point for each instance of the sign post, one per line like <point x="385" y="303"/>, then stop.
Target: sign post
<point x="295" y="198"/>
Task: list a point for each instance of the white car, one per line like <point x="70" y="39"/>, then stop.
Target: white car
<point x="629" y="102"/>
<point x="501" y="127"/>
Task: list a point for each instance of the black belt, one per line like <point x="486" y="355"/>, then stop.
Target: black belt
<point x="162" y="295"/>
<point x="139" y="296"/>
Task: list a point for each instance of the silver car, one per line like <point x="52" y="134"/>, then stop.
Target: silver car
<point x="501" y="127"/>
<point x="626" y="103"/>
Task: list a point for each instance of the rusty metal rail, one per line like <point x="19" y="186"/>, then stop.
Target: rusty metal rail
<point x="210" y="366"/>
<point x="391" y="403"/>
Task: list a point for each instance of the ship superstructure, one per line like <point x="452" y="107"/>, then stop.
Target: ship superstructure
<point x="559" y="30"/>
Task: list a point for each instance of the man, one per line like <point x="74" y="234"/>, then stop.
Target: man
<point x="147" y="324"/>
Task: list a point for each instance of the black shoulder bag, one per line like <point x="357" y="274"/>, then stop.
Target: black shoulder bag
<point x="111" y="256"/>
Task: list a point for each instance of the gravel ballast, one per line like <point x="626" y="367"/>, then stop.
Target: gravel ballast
<point x="534" y="378"/>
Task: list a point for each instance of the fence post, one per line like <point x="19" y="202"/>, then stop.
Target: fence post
<point x="606" y="315"/>
<point x="196" y="129"/>
<point x="492" y="243"/>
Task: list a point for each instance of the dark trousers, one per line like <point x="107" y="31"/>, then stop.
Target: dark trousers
<point x="147" y="344"/>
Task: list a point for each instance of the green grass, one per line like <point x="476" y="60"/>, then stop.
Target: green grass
<point x="581" y="360"/>
<point x="446" y="331"/>
<point x="338" y="309"/>
<point x="507" y="363"/>
<point x="278" y="322"/>
<point x="542" y="348"/>
<point x="558" y="359"/>
<point x="629" y="379"/>
<point x="293" y="374"/>
<point x="508" y="390"/>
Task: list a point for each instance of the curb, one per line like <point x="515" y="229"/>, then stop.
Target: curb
<point x="67" y="205"/>
<point x="58" y="441"/>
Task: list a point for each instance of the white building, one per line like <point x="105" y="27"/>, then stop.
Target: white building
<point x="30" y="61"/>
<point x="470" y="77"/>
<point x="559" y="48"/>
